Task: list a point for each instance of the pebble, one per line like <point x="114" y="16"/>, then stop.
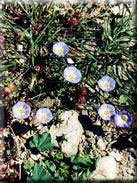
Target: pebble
<point x="117" y="156"/>
<point x="85" y="112"/>
<point x="106" y="167"/>
<point x="89" y="134"/>
<point x="70" y="61"/>
<point x="34" y="157"/>
<point x="101" y="144"/>
<point x="98" y="123"/>
<point x="103" y="153"/>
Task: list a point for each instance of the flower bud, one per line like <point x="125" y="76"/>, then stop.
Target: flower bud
<point x="37" y="68"/>
<point x="2" y="39"/>
<point x="82" y="99"/>
<point x="73" y="21"/>
<point x="84" y="91"/>
<point x="7" y="90"/>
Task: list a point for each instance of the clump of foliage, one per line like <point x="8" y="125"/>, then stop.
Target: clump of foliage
<point x="54" y="166"/>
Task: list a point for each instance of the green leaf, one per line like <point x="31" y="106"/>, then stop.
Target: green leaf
<point x="39" y="174"/>
<point x="85" y="160"/>
<point x="51" y="166"/>
<point x="41" y="141"/>
<point x="123" y="99"/>
<point x="28" y="164"/>
<point x="33" y="80"/>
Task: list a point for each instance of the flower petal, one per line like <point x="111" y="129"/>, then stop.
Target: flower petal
<point x="120" y="122"/>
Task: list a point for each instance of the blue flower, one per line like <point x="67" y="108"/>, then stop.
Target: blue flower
<point x="60" y="49"/>
<point x="106" y="83"/>
<point x="72" y="74"/>
<point x="106" y="111"/>
<point x="44" y="115"/>
<point x="122" y="119"/>
<point x="21" y="110"/>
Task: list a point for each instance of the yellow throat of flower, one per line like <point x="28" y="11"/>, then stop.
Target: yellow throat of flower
<point x="106" y="85"/>
<point x="106" y="112"/>
<point x="60" y="50"/>
<point x="71" y="76"/>
<point x="42" y="117"/>
<point x="124" y="117"/>
<point x="21" y="111"/>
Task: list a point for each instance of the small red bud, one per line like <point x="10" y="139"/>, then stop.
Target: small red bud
<point x="37" y="68"/>
<point x="7" y="91"/>
<point x="2" y="39"/>
<point x="73" y="21"/>
<point x="82" y="99"/>
<point x="84" y="91"/>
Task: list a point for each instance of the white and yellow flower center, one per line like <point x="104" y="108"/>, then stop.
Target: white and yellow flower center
<point x="43" y="117"/>
<point x="21" y="111"/>
<point x="106" y="85"/>
<point x="60" y="50"/>
<point x="107" y="112"/>
<point x="71" y="76"/>
<point x="124" y="117"/>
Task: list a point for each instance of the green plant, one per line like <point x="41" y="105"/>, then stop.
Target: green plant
<point x="41" y="141"/>
<point x="83" y="167"/>
<point x="39" y="174"/>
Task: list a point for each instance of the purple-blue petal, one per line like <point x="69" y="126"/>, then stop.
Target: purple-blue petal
<point x="109" y="107"/>
<point x="45" y="111"/>
<point x="119" y="122"/>
<point x="61" y="45"/>
<point x="73" y="70"/>
<point x="106" y="79"/>
<point x="24" y="106"/>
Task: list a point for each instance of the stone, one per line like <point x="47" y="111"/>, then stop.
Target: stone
<point x="117" y="156"/>
<point x="70" y="129"/>
<point x="20" y="47"/>
<point x="70" y="61"/>
<point x="98" y="123"/>
<point x="106" y="169"/>
<point x="103" y="153"/>
<point x="85" y="112"/>
<point x="101" y="144"/>
<point x="34" y="157"/>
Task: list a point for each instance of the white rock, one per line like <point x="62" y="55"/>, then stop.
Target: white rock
<point x="101" y="144"/>
<point x="106" y="168"/>
<point x="116" y="155"/>
<point x="71" y="129"/>
<point x="98" y="123"/>
<point x="85" y="112"/>
<point x="20" y="47"/>
<point x="34" y="157"/>
<point x="70" y="61"/>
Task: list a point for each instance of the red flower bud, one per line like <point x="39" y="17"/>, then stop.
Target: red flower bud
<point x="82" y="99"/>
<point x="84" y="91"/>
<point x="2" y="39"/>
<point x="7" y="91"/>
<point x="73" y="21"/>
<point x="37" y="68"/>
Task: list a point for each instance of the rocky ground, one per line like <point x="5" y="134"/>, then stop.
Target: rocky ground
<point x="117" y="155"/>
